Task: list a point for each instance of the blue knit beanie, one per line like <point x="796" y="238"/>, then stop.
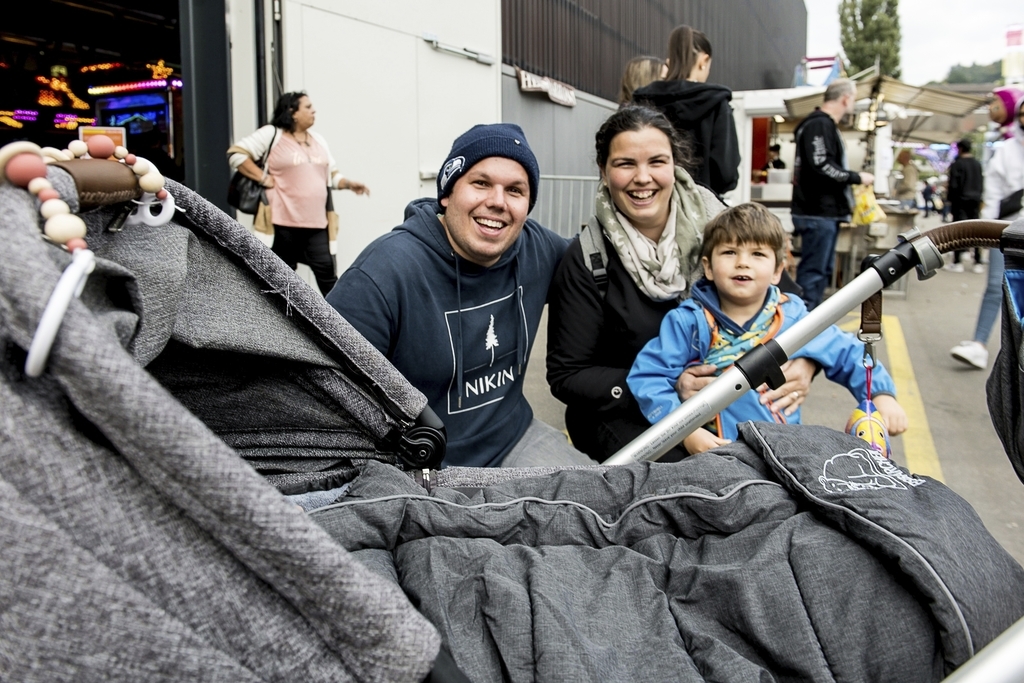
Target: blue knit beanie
<point x="488" y="140"/>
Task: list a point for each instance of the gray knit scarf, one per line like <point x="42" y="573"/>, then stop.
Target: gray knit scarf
<point x="660" y="271"/>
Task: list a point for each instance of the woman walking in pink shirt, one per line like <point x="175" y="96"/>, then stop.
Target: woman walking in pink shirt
<point x="298" y="175"/>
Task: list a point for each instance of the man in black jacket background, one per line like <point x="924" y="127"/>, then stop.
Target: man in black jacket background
<point x="821" y="188"/>
<point x="965" y="188"/>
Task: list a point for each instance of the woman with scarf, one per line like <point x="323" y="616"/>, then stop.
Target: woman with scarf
<point x="650" y="217"/>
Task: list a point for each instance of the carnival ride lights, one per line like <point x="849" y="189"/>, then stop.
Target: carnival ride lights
<point x="101" y="67"/>
<point x="17" y="117"/>
<point x="137" y="85"/>
<point x="71" y="121"/>
<point x="58" y="84"/>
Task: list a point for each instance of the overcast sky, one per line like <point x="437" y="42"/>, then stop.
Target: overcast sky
<point x="937" y="34"/>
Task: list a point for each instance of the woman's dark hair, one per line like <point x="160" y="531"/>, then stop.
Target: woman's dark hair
<point x="284" y="110"/>
<point x="636" y="117"/>
<point x="684" y="46"/>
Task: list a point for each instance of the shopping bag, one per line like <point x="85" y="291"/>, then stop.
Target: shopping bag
<point x="866" y="209"/>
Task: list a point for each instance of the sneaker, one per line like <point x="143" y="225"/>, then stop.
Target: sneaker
<point x="977" y="268"/>
<point x="971" y="352"/>
<point x="954" y="267"/>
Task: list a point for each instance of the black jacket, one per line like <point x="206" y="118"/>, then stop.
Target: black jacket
<point x="820" y="178"/>
<point x="701" y="112"/>
<point x="965" y="180"/>
<point x="592" y="342"/>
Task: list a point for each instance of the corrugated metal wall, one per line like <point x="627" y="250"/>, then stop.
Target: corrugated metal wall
<point x="586" y="43"/>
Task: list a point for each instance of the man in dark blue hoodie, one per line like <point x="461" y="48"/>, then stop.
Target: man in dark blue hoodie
<point x="453" y="298"/>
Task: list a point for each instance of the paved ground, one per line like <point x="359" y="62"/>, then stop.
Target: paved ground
<point x="951" y="436"/>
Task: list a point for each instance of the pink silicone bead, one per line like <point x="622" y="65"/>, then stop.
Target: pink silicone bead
<point x="162" y="194"/>
<point x="24" y="167"/>
<point x="130" y="159"/>
<point x="100" y="146"/>
<point x="48" y="193"/>
<point x="76" y="243"/>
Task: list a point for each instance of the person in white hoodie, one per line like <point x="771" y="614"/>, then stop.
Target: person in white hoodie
<point x="1004" y="186"/>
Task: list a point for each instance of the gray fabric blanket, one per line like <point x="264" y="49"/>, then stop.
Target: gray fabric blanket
<point x="136" y="544"/>
<point x="793" y="555"/>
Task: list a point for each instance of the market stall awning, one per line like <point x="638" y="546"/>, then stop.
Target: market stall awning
<point x="921" y="98"/>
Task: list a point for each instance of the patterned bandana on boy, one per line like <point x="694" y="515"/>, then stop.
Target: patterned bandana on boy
<point x="727" y="347"/>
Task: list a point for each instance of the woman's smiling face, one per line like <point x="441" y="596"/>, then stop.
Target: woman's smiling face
<point x="640" y="174"/>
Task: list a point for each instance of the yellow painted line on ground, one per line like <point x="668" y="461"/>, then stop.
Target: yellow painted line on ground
<point x="918" y="445"/>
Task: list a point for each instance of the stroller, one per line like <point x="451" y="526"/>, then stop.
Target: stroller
<point x="196" y="379"/>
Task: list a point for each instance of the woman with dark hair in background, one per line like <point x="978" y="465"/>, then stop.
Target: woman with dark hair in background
<point x="697" y="109"/>
<point x="649" y="216"/>
<point x="298" y="174"/>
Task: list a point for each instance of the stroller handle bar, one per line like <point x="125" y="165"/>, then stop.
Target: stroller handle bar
<point x="763" y="363"/>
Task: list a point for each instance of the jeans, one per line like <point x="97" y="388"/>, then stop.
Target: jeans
<point x="992" y="299"/>
<point x="541" y="446"/>
<point x="309" y="246"/>
<point x="817" y="255"/>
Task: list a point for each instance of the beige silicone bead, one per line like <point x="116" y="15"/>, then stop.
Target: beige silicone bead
<point x="152" y="182"/>
<point x="141" y="166"/>
<point x="53" y="207"/>
<point x="64" y="227"/>
<point x="51" y="154"/>
<point x="37" y="185"/>
<point x="120" y="152"/>
<point x="78" y="147"/>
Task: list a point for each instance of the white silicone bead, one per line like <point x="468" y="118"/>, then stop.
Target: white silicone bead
<point x="141" y="166"/>
<point x="53" y="207"/>
<point x="64" y="227"/>
<point x="54" y="154"/>
<point x="37" y="185"/>
<point x="120" y="152"/>
<point x="78" y="147"/>
<point x="152" y="182"/>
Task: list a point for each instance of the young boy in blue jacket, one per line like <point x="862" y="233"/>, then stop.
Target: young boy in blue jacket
<point x="733" y="308"/>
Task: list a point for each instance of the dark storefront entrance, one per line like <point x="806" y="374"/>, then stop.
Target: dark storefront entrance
<point x="69" y="64"/>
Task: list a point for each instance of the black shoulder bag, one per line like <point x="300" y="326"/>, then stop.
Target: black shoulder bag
<point x="246" y="194"/>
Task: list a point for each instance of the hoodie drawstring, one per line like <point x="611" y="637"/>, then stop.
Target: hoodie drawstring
<point x="520" y="323"/>
<point x="458" y="336"/>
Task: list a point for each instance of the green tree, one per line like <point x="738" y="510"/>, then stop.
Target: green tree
<point x="870" y="30"/>
<point x="976" y="73"/>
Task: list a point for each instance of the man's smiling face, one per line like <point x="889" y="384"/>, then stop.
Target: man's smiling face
<point x="487" y="209"/>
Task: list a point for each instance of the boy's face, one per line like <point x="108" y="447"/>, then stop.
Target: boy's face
<point x="742" y="273"/>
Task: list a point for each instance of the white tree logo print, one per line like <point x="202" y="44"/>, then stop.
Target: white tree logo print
<point x="492" y="339"/>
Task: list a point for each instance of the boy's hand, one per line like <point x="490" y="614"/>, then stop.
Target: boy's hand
<point x="893" y="415"/>
<point x="693" y="379"/>
<point x="787" y="398"/>
<point x="702" y="440"/>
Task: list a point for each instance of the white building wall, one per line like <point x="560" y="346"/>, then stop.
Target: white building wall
<point x="242" y="37"/>
<point x="387" y="102"/>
